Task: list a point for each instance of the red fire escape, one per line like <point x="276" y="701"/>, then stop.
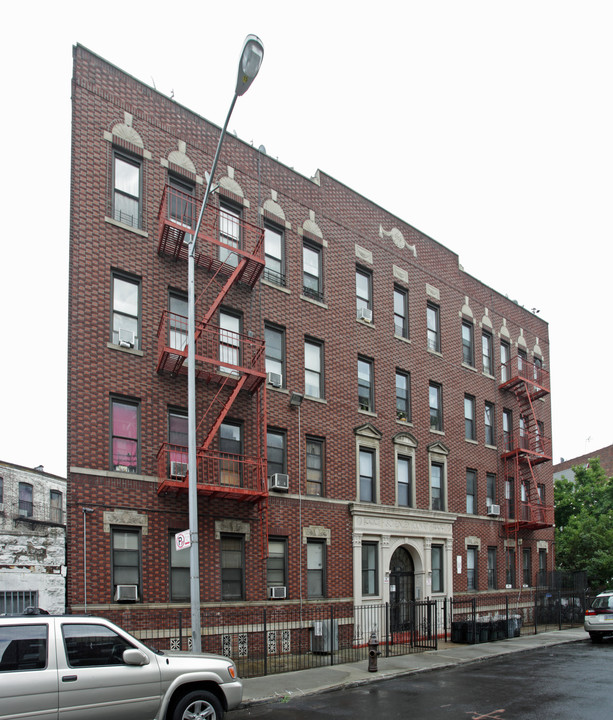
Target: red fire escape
<point x="230" y="364"/>
<point x="526" y="508"/>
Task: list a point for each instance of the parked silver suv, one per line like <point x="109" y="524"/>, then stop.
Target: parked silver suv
<point x="87" y="668"/>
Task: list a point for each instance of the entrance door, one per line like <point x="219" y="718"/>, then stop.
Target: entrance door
<point x="402" y="590"/>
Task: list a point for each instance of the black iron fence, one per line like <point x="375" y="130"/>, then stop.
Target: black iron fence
<point x="273" y="638"/>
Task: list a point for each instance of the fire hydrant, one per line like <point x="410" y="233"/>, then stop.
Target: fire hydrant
<point x="373" y="653"/>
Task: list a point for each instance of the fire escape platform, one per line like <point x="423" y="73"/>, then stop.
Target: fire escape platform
<point x="245" y="242"/>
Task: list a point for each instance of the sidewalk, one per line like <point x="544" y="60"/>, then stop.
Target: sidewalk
<point x="284" y="686"/>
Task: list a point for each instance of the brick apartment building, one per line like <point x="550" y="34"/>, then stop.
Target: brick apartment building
<point x="373" y="422"/>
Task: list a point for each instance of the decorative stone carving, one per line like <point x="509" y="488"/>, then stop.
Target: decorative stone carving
<point x="125" y="517"/>
<point x="229" y="525"/>
<point x="397" y="238"/>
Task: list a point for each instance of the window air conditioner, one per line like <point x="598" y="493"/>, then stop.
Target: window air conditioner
<point x="274" y="379"/>
<point x="126" y="338"/>
<point x="277" y="593"/>
<point x="178" y="469"/>
<point x="365" y="314"/>
<point x="279" y="481"/>
<point x="126" y="593"/>
<point x="493" y="509"/>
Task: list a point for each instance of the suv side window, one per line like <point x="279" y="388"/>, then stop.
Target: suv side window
<point x="93" y="645"/>
<point x="23" y="647"/>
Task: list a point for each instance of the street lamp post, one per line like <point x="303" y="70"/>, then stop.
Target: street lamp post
<point x="249" y="65"/>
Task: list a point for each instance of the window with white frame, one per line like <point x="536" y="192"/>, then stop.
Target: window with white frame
<point x="229" y="233"/>
<point x="232" y="567"/>
<point x="313" y="368"/>
<point x="316" y="568"/>
<point x="366" y="389"/>
<point x="274" y="337"/>
<point x="436" y="555"/>
<point x="274" y="254"/>
<point x="488" y="419"/>
<point x="403" y="396"/>
<point x="367" y="475"/>
<point x="229" y="341"/>
<point x="312" y="278"/>
<point x="401" y="312"/>
<point x="127" y="190"/>
<point x="471" y="568"/>
<point x="363" y="292"/>
<point x="404" y="471"/>
<point x="126" y="558"/>
<point x="470" y="429"/>
<point x="437" y="489"/>
<point x="487" y="352"/>
<point x="435" y="393"/>
<point x="433" y="327"/>
<point x="370" y="570"/>
<point x="125" y="330"/>
<point x="468" y="343"/>
<point x="505" y="361"/>
<point x="471" y="491"/>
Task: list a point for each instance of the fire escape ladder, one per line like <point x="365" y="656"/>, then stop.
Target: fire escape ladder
<point x="222" y="414"/>
<point x="232" y="279"/>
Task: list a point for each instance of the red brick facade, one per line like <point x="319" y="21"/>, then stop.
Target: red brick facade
<point x="113" y="111"/>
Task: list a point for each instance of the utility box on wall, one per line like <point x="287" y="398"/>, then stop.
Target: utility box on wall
<point x="324" y="636"/>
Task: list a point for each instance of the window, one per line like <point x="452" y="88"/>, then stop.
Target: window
<point x="16" y="601"/>
<point x="93" y="645"/>
<point x="370" y="572"/>
<point x="538" y="436"/>
<point x="488" y="419"/>
<point x="126" y="311"/>
<point x="312" y="285"/>
<point x="487" y="353"/>
<point x="505" y="361"/>
<point x="403" y="396"/>
<point x="470" y="430"/>
<point x="433" y="323"/>
<point x="404" y="469"/>
<point x="491" y="568"/>
<point x="522" y="361"/>
<point x="127" y="190"/>
<point x="178" y="440"/>
<point x="275" y="351"/>
<point x="229" y="340"/>
<point x="179" y="572"/>
<point x="511" y="567"/>
<point x="315" y="466"/>
<point x="181" y="202"/>
<point x="177" y="321"/>
<point x="26" y="505"/>
<point x="124" y="435"/>
<point x="509" y="496"/>
<point x="313" y="368"/>
<point x="437" y="498"/>
<point x="232" y="567"/>
<point x="55" y="507"/>
<point x="229" y="233"/>
<point x="490" y="479"/>
<point x="24" y="647"/>
<point x="274" y="270"/>
<point x="542" y="578"/>
<point x="468" y="344"/>
<point x="471" y="568"/>
<point x="316" y="564"/>
<point x="436" y="555"/>
<point x="126" y="560"/>
<point x="363" y="292"/>
<point x="507" y="429"/>
<point x="471" y="492"/>
<point x="523" y="435"/>
<point x="366" y="399"/>
<point x="401" y="312"/>
<point x="231" y="449"/>
<point x="275" y="449"/>
<point x="367" y="475"/>
<point x="436" y="408"/>
<point x="537" y="369"/>
<point x="276" y="564"/>
<point x="526" y="567"/>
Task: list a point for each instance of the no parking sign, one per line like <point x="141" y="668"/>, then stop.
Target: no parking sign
<point x="183" y="540"/>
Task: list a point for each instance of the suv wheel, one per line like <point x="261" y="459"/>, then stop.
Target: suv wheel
<point x="198" y="705"/>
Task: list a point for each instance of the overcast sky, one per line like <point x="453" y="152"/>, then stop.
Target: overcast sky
<point x="488" y="125"/>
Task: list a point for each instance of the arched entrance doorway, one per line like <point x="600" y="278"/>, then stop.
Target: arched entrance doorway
<point x="402" y="589"/>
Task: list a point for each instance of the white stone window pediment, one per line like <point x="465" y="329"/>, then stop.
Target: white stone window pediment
<point x="368" y="431"/>
<point x="438" y="448"/>
<point x="405" y="439"/>
<point x="230" y="525"/>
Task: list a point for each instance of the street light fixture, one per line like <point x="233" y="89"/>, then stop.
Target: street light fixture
<point x="251" y="59"/>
